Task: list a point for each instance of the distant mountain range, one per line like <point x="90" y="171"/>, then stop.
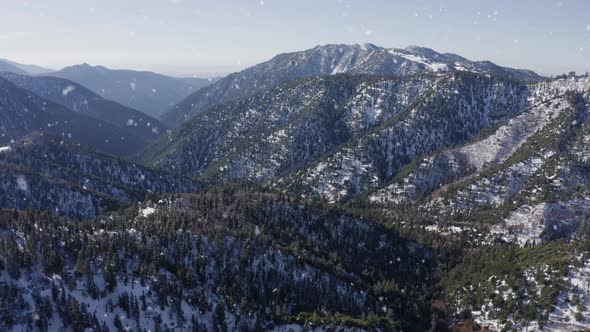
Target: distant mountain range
<point x="81" y="100"/>
<point x="143" y="90"/>
<point x="334" y="59"/>
<point x="7" y="67"/>
<point x="19" y="68"/>
<point x="146" y="91"/>
<point x="23" y="112"/>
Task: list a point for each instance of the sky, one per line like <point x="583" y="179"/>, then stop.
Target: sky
<point x="188" y="37"/>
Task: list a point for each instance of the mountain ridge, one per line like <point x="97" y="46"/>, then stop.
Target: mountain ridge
<point x="328" y="60"/>
<point x="146" y="91"/>
<point x="23" y="112"/>
<point x="79" y="99"/>
<point x="27" y="69"/>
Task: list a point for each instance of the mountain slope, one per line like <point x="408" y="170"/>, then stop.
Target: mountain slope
<point x="43" y="173"/>
<point x="146" y="91"/>
<point x="215" y="261"/>
<point x="537" y="194"/>
<point x="26" y="69"/>
<point x="7" y="67"/>
<point x="547" y="103"/>
<point x="22" y="112"/>
<point x="79" y="99"/>
<point x="339" y="135"/>
<point x="329" y="60"/>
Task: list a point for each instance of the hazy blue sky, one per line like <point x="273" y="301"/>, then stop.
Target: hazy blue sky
<point x="190" y="36"/>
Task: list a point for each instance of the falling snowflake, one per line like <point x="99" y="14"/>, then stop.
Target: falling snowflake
<point x="368" y="32"/>
<point x="22" y="184"/>
<point x="67" y="90"/>
<point x="588" y="27"/>
<point x="132" y="85"/>
<point x="129" y="123"/>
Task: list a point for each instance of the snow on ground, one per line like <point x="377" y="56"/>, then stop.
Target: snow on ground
<point x="445" y="230"/>
<point x="509" y="137"/>
<point x="37" y="282"/>
<point x="563" y="318"/>
<point x="147" y="211"/>
<point x="492" y="150"/>
<point x="523" y="225"/>
<point x="333" y="183"/>
<point x="540" y="91"/>
<point x="434" y="66"/>
<point x="299" y="328"/>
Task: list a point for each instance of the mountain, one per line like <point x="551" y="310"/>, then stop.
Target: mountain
<point x="220" y="259"/>
<point x="497" y="164"/>
<point x="279" y="132"/>
<point x="146" y="91"/>
<point x="42" y="172"/>
<point x="528" y="178"/>
<point x="24" y="69"/>
<point x="7" y="67"/>
<point x="198" y="82"/>
<point x="23" y="112"/>
<point x="343" y="188"/>
<point x="215" y="261"/>
<point x="329" y="60"/>
<point x="79" y="99"/>
<point x="453" y="146"/>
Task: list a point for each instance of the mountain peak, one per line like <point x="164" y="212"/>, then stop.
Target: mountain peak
<point x="425" y="51"/>
<point x="333" y="59"/>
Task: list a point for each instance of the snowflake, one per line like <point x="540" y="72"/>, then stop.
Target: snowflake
<point x="67" y="90"/>
<point x="22" y="184"/>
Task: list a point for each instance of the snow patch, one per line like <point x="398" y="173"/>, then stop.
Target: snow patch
<point x="147" y="211"/>
<point x="523" y="225"/>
